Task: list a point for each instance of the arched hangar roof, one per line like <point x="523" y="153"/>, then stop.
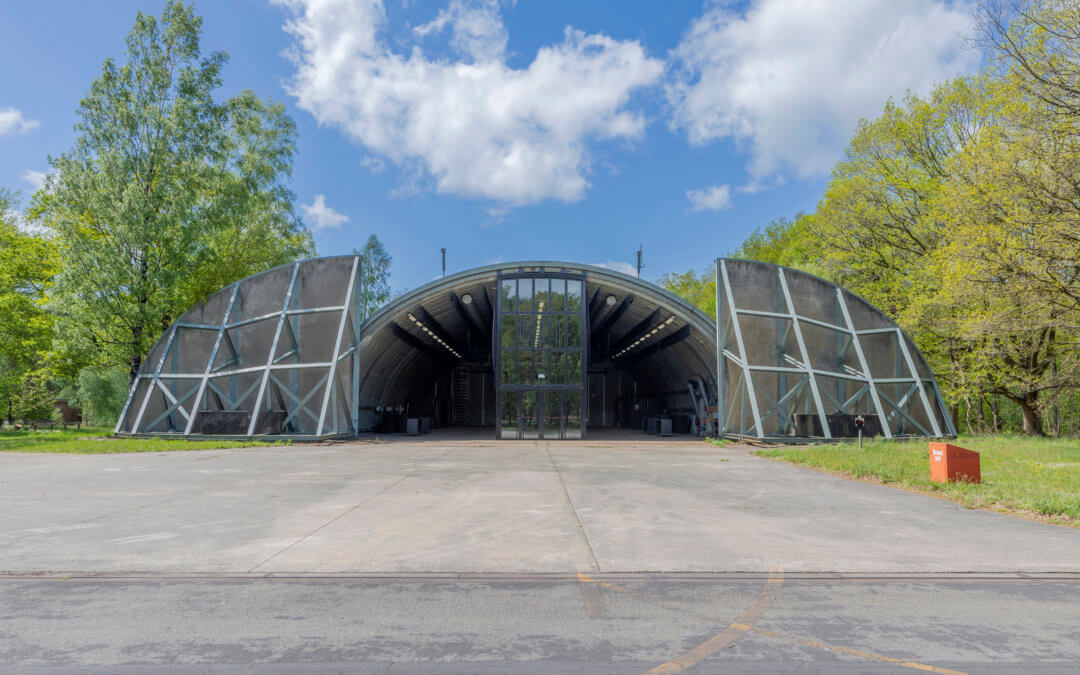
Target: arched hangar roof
<point x="391" y="363"/>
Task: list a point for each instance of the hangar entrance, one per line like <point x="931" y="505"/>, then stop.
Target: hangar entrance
<point x="540" y="355"/>
<point x="537" y="351"/>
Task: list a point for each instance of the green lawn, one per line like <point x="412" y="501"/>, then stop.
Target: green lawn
<point x="93" y="441"/>
<point x="1035" y="477"/>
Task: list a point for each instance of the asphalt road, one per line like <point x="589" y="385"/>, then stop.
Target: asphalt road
<point x="456" y="554"/>
<point x="543" y="625"/>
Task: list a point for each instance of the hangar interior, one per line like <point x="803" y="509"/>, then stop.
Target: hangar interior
<point x="533" y="350"/>
<point x="536" y="350"/>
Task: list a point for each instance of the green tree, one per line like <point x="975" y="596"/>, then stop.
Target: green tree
<point x="100" y="393"/>
<point x="699" y="289"/>
<point x="166" y="195"/>
<point x="788" y="242"/>
<point x="27" y="264"/>
<point x="374" y="286"/>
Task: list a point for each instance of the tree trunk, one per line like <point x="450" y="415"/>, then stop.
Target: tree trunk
<point x="996" y="415"/>
<point x="1032" y="422"/>
<point x="11" y="411"/>
<point x="954" y="412"/>
<point x="136" y="358"/>
<point x="137" y="331"/>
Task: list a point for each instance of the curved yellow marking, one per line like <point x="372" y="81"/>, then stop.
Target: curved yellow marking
<point x="727" y="636"/>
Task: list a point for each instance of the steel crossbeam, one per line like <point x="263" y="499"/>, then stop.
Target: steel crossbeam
<point x="157" y="372"/>
<point x="337" y="347"/>
<point x="213" y="357"/>
<point x="859" y="354"/>
<point x="282" y="317"/>
<point x="815" y="390"/>
<point x="930" y="414"/>
<point x="742" y="348"/>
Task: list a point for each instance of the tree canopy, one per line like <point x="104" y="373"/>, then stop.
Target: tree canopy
<point x="958" y="213"/>
<point x="29" y="263"/>
<point x="166" y="195"/>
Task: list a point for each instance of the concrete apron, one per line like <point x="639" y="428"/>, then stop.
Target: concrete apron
<point x="472" y="506"/>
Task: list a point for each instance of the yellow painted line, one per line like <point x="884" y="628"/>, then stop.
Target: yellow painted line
<point x="727" y="636"/>
<point x="589" y="590"/>
<point x="736" y="628"/>
<point x="870" y="656"/>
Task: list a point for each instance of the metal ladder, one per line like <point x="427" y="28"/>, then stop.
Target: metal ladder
<point x="461" y="396"/>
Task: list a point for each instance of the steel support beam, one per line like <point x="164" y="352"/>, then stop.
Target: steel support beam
<point x="657" y="347"/>
<point x="470" y="320"/>
<point x="797" y="329"/>
<point x="737" y="330"/>
<point x="332" y="377"/>
<point x="637" y="331"/>
<point x="612" y="317"/>
<point x="282" y="317"/>
<point x="415" y="342"/>
<point x="922" y="391"/>
<point x="489" y="308"/>
<point x="863" y="363"/>
<point x="594" y="304"/>
<point x="154" y="380"/>
<point x="213" y="357"/>
<point x="438" y="328"/>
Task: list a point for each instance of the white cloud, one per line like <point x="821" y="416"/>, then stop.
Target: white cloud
<point x="476" y="126"/>
<point x="618" y="266"/>
<point x="789" y="79"/>
<point x="30" y="227"/>
<point x="373" y="164"/>
<point x="477" y="32"/>
<point x="321" y="215"/>
<point x="712" y="198"/>
<point x="35" y="178"/>
<point x="13" y="122"/>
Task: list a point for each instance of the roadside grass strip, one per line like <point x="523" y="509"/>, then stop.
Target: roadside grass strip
<point x="90" y="441"/>
<point x="1037" y="478"/>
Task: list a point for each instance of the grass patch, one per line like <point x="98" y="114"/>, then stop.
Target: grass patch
<point x="1033" y="477"/>
<point x="89" y="441"/>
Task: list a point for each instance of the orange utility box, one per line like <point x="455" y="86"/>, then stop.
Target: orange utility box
<point x="951" y="464"/>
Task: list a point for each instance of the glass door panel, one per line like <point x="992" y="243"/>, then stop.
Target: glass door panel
<point x="573" y="414"/>
<point x="509" y="416"/>
<point x="553" y="415"/>
<point x="530" y="414"/>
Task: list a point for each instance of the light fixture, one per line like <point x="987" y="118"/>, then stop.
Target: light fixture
<point x="433" y="335"/>
<point x="536" y="341"/>
<point x="610" y="300"/>
<point x="466" y="299"/>
<point x="644" y="337"/>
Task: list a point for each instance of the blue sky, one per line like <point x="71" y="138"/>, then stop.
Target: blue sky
<point x="523" y="130"/>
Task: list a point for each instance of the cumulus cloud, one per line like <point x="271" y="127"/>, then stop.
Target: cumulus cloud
<point x="789" y="79"/>
<point x="26" y="225"/>
<point x="712" y="198"/>
<point x="12" y="121"/>
<point x="35" y="178"/>
<point x="618" y="266"/>
<point x="373" y="164"/>
<point x="321" y="216"/>
<point x="476" y="126"/>
<point x="477" y="31"/>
